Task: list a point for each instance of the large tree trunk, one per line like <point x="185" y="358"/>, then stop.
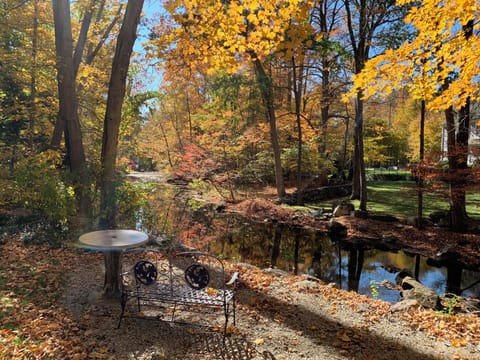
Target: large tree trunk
<point x="459" y="165"/>
<point x="59" y="128"/>
<point x="457" y="145"/>
<point x="62" y="19"/>
<point x="458" y="170"/>
<point x="68" y="105"/>
<point x="267" y="94"/>
<point x="113" y="114"/>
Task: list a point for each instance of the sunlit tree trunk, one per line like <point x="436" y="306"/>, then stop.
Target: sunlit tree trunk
<point x="359" y="41"/>
<point x="265" y="83"/>
<point x="113" y="115"/>
<point x="420" y="163"/>
<point x="326" y="15"/>
<point x="364" y="19"/>
<point x="359" y="184"/>
<point x="59" y="128"/>
<point x="297" y="91"/>
<point x="76" y="57"/>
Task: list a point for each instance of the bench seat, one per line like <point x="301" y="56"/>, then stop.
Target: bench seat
<point x="194" y="280"/>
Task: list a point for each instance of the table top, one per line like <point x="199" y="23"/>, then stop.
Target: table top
<point x="113" y="239"/>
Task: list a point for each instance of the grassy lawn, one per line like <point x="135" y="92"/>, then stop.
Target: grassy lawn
<point x="399" y="198"/>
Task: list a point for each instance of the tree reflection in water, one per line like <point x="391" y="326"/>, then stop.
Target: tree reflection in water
<point x="296" y="250"/>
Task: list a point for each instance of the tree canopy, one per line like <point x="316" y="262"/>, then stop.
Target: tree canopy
<point x="441" y="53"/>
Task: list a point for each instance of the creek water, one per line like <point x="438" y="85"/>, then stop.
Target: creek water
<point x="172" y="216"/>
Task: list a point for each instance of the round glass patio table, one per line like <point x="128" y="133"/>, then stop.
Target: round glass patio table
<point x="111" y="240"/>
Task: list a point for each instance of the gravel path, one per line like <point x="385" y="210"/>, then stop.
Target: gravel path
<point x="278" y="317"/>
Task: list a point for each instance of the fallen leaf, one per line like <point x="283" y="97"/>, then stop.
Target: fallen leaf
<point x="259" y="341"/>
<point x="458" y="342"/>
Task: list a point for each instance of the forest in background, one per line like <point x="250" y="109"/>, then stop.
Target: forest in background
<point x="251" y="93"/>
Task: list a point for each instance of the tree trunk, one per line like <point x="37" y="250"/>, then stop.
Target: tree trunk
<point x="361" y="46"/>
<point x="68" y="105"/>
<point x="452" y="161"/>
<point x="458" y="167"/>
<point x="176" y="127"/>
<point x="113" y="114"/>
<point x="297" y="91"/>
<point x="265" y="84"/>
<point x="33" y="79"/>
<point x="324" y="109"/>
<point x="167" y="146"/>
<point x="59" y="128"/>
<point x="359" y="183"/>
<point x="420" y="164"/>
<point x="82" y="37"/>
<point x="346" y="138"/>
<point x="459" y="171"/>
<point x="113" y="266"/>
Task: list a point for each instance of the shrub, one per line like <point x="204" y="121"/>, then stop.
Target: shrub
<point x="131" y="198"/>
<point x="38" y="186"/>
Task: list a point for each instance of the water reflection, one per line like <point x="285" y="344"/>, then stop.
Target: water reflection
<point x="296" y="250"/>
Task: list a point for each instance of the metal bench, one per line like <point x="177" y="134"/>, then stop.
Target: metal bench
<point x="192" y="280"/>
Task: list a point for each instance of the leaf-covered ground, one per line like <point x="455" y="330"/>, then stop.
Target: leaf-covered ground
<point x="51" y="308"/>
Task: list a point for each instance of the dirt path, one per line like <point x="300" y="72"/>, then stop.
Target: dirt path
<point x="278" y="317"/>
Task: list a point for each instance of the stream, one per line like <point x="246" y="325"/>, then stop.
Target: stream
<point x="173" y="217"/>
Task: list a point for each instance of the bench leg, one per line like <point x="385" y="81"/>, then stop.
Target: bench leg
<point x="123" y="303"/>
<point x="138" y="303"/>
<point x="173" y="312"/>
<point x="234" y="304"/>
<point x="225" y="308"/>
<point x="120" y="319"/>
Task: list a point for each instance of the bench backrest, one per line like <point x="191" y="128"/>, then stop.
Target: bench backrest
<point x="197" y="270"/>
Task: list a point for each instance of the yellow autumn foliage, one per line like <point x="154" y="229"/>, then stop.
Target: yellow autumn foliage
<point x="221" y="34"/>
<point x="438" y="56"/>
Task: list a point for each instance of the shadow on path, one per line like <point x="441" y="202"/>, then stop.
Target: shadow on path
<point x="167" y="340"/>
<point x="362" y="343"/>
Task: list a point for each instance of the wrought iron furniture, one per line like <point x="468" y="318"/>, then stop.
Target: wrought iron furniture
<point x="191" y="280"/>
<point x="112" y="240"/>
<point x="112" y="243"/>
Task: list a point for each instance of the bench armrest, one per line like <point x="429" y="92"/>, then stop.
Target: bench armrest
<point x="235" y="279"/>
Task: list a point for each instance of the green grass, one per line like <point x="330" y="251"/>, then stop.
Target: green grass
<point x="388" y="171"/>
<point x="400" y="199"/>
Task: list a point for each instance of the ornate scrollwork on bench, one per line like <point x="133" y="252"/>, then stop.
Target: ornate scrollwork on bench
<point x="197" y="276"/>
<point x="193" y="279"/>
<point x="145" y="272"/>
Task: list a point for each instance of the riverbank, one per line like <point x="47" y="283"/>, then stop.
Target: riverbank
<point x="439" y="244"/>
<point x="51" y="307"/>
<point x="436" y="243"/>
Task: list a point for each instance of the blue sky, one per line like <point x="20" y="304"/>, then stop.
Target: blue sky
<point x="151" y="10"/>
